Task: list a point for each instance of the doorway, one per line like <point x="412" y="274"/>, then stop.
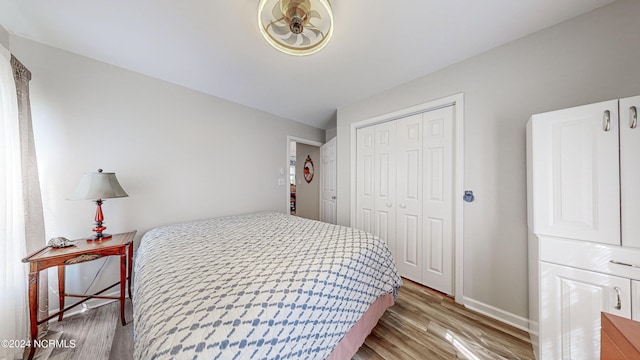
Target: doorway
<point x="304" y="169"/>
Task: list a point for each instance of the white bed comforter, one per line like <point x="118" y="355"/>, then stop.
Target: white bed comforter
<point x="257" y="286"/>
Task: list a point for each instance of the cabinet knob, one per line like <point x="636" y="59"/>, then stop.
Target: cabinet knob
<point x="389" y="204"/>
<point x="618" y="295"/>
<point x="606" y="120"/>
<point x="403" y="206"/>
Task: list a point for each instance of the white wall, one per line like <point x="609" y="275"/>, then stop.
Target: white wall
<point x="4" y="37"/>
<point x="590" y="58"/>
<point x="180" y="154"/>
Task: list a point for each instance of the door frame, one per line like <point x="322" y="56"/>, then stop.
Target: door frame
<point x="458" y="173"/>
<point x="302" y="141"/>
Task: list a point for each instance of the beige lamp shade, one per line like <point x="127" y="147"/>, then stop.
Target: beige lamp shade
<point x="98" y="185"/>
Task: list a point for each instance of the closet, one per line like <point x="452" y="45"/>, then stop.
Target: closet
<point x="583" y="174"/>
<point x="404" y="192"/>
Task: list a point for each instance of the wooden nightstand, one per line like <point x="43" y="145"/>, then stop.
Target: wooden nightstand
<point x="619" y="338"/>
<point x="83" y="250"/>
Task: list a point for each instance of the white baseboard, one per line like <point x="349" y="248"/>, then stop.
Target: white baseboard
<point x="498" y="314"/>
<point x="89" y="304"/>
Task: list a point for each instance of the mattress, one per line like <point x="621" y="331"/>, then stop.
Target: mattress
<point x="255" y="286"/>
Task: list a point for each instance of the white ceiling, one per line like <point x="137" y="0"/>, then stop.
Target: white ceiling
<point x="215" y="46"/>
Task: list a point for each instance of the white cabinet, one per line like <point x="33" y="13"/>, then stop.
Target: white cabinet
<point x="630" y="171"/>
<point x="575" y="173"/>
<point x="573" y="301"/>
<point x="585" y="172"/>
<point x="404" y="193"/>
<point x="583" y="182"/>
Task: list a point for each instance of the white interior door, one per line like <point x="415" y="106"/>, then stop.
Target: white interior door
<point x="328" y="182"/>
<point x="409" y="197"/>
<point x="385" y="184"/>
<point x="437" y="251"/>
<point x="365" y="187"/>
<point x="630" y="171"/>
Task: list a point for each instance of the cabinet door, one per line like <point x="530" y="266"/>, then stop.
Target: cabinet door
<point x="575" y="173"/>
<point x="571" y="302"/>
<point x="409" y="197"/>
<point x="630" y="171"/>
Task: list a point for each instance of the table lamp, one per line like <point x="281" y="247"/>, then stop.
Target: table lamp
<point x="97" y="186"/>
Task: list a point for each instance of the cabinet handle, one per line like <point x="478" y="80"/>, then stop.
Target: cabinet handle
<point x="607" y="120"/>
<point x="634" y="116"/>
<point x="624" y="264"/>
<point x="618" y="295"/>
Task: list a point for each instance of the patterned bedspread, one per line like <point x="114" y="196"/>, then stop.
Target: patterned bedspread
<point x="257" y="286"/>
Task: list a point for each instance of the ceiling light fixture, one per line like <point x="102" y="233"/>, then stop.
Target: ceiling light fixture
<point x="296" y="27"/>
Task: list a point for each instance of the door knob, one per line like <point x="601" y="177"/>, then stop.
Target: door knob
<point x="468" y="196"/>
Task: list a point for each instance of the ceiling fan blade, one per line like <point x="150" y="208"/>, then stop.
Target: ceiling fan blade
<point x="291" y="40"/>
<point x="277" y="11"/>
<point x="314" y="14"/>
<point x="280" y="29"/>
<point x="305" y="40"/>
<point x="314" y="30"/>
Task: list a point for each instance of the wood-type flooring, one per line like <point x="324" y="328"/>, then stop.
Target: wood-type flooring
<point x="422" y="324"/>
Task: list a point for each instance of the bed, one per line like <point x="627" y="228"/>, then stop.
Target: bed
<point x="258" y="286"/>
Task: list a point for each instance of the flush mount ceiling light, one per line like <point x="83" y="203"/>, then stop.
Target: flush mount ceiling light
<point x="296" y="27"/>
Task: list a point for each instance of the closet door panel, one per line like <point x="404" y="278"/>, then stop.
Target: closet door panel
<point x="384" y="184"/>
<point x="438" y="199"/>
<point x="409" y="197"/>
<point x="365" y="160"/>
<point x="575" y="173"/>
<point x="630" y="171"/>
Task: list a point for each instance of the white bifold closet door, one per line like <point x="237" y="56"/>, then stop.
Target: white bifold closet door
<point x="437" y="252"/>
<point x="376" y="181"/>
<point x="409" y="210"/>
<point x="404" y="193"/>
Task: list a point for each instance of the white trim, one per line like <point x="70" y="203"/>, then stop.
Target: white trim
<point x="498" y="314"/>
<point x="287" y="189"/>
<point x="458" y="190"/>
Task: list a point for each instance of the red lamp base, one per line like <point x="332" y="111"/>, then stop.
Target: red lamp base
<point x="99" y="236"/>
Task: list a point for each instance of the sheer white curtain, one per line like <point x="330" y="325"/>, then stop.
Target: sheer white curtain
<point x="13" y="273"/>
